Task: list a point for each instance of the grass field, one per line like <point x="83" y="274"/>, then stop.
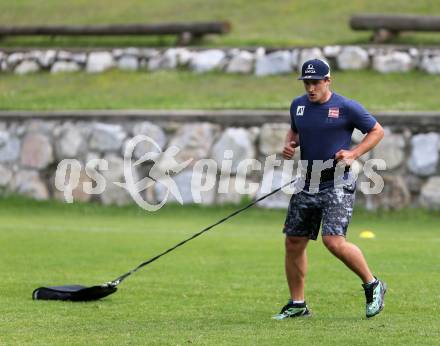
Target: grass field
<point x="258" y="22"/>
<point x="183" y="90"/>
<point x="217" y="290"/>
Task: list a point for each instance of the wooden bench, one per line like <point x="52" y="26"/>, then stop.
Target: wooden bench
<point x="386" y="27"/>
<point x="186" y="32"/>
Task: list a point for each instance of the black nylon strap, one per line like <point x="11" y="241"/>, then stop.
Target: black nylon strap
<point x="121" y="278"/>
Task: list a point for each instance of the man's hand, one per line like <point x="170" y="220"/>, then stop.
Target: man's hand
<point x="347" y="156"/>
<point x="289" y="150"/>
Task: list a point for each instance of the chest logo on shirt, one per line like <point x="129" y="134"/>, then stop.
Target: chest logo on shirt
<point x="300" y="110"/>
<point x="333" y="112"/>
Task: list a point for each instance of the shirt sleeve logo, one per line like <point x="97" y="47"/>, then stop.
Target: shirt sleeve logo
<point x="333" y="112"/>
<point x="300" y="110"/>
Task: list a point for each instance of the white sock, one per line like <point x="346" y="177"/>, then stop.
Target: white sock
<point x="372" y="281"/>
<point x="297" y="301"/>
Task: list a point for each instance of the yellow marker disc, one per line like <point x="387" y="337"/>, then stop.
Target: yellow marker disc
<point x="367" y="235"/>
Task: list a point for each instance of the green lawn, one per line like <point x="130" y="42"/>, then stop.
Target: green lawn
<point x="219" y="289"/>
<point x="258" y="22"/>
<point x="184" y="90"/>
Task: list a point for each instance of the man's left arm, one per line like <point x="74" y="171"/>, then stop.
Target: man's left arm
<point x="373" y="137"/>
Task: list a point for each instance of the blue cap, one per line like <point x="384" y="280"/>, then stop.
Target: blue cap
<point x="315" y="69"/>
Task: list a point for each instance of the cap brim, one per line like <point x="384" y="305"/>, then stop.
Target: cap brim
<point x="312" y="77"/>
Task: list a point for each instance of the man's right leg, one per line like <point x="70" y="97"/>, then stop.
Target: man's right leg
<point x="302" y="223"/>
<point x="296" y="268"/>
<point x="296" y="265"/>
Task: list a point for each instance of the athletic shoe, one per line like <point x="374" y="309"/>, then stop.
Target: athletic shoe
<point x="293" y="310"/>
<point x="374" y="294"/>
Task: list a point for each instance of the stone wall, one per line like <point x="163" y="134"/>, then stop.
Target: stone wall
<point x="31" y="147"/>
<point x="259" y="61"/>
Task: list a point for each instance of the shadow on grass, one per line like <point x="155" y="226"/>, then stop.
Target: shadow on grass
<point x="19" y="204"/>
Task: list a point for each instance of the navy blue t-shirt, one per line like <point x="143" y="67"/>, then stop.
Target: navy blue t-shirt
<point x="326" y="128"/>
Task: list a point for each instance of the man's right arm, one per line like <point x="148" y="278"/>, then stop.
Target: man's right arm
<point x="290" y="143"/>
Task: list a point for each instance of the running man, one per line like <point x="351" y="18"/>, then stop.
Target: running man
<point x="322" y="123"/>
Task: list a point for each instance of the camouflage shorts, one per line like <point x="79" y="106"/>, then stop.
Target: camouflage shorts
<point x="333" y="207"/>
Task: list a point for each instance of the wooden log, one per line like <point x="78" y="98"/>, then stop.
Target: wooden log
<point x="383" y="36"/>
<point x="195" y="29"/>
<point x="395" y="23"/>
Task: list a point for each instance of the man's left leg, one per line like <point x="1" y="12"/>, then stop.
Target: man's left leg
<point x="337" y="212"/>
<point x="350" y="254"/>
